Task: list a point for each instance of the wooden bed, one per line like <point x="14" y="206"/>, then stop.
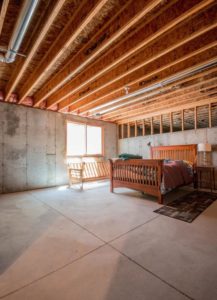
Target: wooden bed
<point x="145" y="175"/>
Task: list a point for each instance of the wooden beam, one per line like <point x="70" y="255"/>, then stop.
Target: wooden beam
<point x="175" y="97"/>
<point x="130" y="14"/>
<point x="182" y="115"/>
<point x="152" y="127"/>
<point x="161" y="125"/>
<point x="160" y="104"/>
<point x="210" y="115"/>
<point x="3" y="13"/>
<point x="143" y="128"/>
<point x="142" y="36"/>
<point x="186" y="85"/>
<point x="171" y="122"/>
<point x="128" y="130"/>
<point x="173" y="108"/>
<point x="195" y="117"/>
<point x="148" y="36"/>
<point x="80" y="19"/>
<point x="153" y="74"/>
<point x="149" y="95"/>
<point x="103" y="93"/>
<point x="19" y="71"/>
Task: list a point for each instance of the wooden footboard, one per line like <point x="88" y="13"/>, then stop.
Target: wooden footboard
<point x="143" y="175"/>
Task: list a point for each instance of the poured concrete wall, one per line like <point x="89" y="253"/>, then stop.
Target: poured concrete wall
<point x="33" y="147"/>
<point x="138" y="145"/>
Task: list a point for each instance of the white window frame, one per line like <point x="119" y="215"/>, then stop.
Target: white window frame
<point x="86" y="125"/>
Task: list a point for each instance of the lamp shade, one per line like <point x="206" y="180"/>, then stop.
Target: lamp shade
<point x="203" y="147"/>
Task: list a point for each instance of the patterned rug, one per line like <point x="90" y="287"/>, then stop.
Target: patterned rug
<point x="188" y="207"/>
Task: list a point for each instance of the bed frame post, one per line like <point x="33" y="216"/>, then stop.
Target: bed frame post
<point x="160" y="198"/>
<point x="111" y="176"/>
<point x="160" y="176"/>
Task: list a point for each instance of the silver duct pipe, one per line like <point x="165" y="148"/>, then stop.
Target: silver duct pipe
<point x="182" y="75"/>
<point x="20" y="30"/>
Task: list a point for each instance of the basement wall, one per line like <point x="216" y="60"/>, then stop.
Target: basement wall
<point x="138" y="145"/>
<point x="33" y="147"/>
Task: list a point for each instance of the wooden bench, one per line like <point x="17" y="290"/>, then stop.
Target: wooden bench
<point x="88" y="171"/>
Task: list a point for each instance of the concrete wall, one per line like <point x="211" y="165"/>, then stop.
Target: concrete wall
<point x="138" y="145"/>
<point x="33" y="147"/>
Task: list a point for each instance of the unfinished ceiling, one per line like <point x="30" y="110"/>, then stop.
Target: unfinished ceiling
<point x="116" y="60"/>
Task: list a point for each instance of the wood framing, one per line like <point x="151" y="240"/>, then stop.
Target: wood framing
<point x="19" y="71"/>
<point x="192" y="89"/>
<point x="115" y="60"/>
<point x="139" y="39"/>
<point x="143" y="74"/>
<point x="3" y="13"/>
<point x="80" y="19"/>
<point x="112" y="31"/>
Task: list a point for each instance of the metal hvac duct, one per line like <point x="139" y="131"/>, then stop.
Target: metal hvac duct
<point x="21" y="27"/>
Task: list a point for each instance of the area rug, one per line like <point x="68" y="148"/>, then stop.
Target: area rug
<point x="188" y="207"/>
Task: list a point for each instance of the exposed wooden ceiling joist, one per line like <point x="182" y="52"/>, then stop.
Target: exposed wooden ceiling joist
<point x="162" y="110"/>
<point x="190" y="97"/>
<point x="174" y="98"/>
<point x="114" y="59"/>
<point x="3" y="13"/>
<point x="153" y="72"/>
<point x="144" y="58"/>
<point x="174" y="15"/>
<point x="79" y="20"/>
<point x="131" y="13"/>
<point x="179" y="85"/>
<point x="20" y="69"/>
<point x="163" y="94"/>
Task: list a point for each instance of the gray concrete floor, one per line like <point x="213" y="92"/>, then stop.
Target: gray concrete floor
<point x="65" y="244"/>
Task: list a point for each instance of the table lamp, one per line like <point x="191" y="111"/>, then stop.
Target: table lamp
<point x="205" y="150"/>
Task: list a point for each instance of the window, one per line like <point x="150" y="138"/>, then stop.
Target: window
<point x="83" y="140"/>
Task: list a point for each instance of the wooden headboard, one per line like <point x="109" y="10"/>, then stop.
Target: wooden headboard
<point x="177" y="152"/>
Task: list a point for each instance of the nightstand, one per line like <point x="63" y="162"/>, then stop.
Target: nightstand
<point x="205" y="175"/>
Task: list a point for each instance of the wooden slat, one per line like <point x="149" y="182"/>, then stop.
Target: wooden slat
<point x="195" y="117"/>
<point x="182" y="114"/>
<point x="210" y="116"/>
<point x="175" y="152"/>
<point x="128" y="130"/>
<point x="135" y="129"/>
<point x="143" y="128"/>
<point x="171" y="122"/>
<point x="161" y="127"/>
<point x="152" y="128"/>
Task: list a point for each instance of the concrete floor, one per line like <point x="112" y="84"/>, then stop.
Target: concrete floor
<point x="93" y="245"/>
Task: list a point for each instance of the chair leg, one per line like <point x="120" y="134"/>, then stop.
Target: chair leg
<point x="82" y="187"/>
